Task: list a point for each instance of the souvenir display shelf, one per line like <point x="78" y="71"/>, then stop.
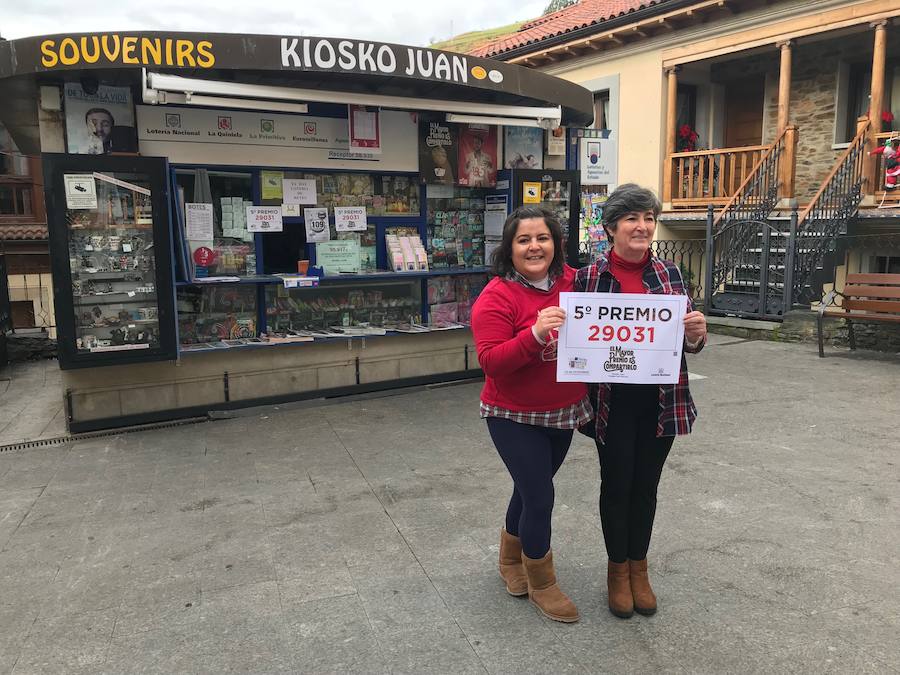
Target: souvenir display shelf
<point x="108" y="222"/>
<point x="256" y="310"/>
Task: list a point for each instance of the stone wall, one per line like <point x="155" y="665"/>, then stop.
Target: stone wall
<point x="800" y="326"/>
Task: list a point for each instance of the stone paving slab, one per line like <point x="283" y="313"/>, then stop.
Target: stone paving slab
<point x="361" y="537"/>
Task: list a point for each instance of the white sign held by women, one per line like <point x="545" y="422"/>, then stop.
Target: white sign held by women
<point x="629" y="338"/>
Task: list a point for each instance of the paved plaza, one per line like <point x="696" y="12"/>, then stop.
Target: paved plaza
<point x="361" y="536"/>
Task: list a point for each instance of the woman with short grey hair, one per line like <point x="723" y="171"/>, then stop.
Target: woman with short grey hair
<point x="635" y="424"/>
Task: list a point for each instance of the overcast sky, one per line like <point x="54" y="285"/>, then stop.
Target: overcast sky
<point x="415" y="22"/>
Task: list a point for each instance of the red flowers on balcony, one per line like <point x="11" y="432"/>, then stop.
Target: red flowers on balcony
<point x="686" y="139"/>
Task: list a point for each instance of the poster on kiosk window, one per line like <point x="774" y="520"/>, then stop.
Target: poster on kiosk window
<point x="478" y="155"/>
<point x="99" y="121"/>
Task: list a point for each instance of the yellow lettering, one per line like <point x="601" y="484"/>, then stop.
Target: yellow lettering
<point x="129" y="45"/>
<point x="68" y="44"/>
<point x="205" y="57"/>
<point x="88" y="57"/>
<point x="111" y="55"/>
<point x="151" y="48"/>
<point x="169" y="61"/>
<point x="49" y="58"/>
<point x="183" y="49"/>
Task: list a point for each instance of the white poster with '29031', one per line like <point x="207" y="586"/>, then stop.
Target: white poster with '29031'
<point x="628" y="338"/>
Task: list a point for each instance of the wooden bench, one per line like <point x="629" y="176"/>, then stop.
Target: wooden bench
<point x="867" y="298"/>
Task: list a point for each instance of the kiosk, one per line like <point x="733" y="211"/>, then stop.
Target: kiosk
<point x="246" y="219"/>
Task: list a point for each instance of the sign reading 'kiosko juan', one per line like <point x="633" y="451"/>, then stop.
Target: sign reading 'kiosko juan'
<point x="222" y="51"/>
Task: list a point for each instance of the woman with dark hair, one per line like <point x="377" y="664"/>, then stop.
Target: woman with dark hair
<point x="530" y="416"/>
<point x="636" y="424"/>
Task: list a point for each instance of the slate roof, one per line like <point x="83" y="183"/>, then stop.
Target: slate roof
<point x="583" y="14"/>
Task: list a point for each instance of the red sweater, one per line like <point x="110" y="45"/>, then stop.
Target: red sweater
<point x="516" y="377"/>
<point x="630" y="275"/>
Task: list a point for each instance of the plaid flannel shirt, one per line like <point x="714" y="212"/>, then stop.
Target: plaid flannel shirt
<point x="571" y="417"/>
<point x="677" y="411"/>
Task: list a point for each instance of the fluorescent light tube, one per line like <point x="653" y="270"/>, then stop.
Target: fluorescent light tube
<point x="157" y="84"/>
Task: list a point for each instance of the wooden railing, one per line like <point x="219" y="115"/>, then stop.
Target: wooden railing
<point x="711" y="176"/>
<point x="882" y="195"/>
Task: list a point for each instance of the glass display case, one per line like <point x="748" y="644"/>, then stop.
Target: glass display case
<point x="557" y="191"/>
<point x="109" y="222"/>
<point x="342" y="308"/>
<point x="450" y="298"/>
<point x="229" y="249"/>
<point x="216" y="315"/>
<point x="381" y="195"/>
<point x="456" y="229"/>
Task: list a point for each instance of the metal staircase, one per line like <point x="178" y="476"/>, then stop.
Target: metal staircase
<point x="763" y="265"/>
<point x="747" y="256"/>
<point x="827" y="218"/>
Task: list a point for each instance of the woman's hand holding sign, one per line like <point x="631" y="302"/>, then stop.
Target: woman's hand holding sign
<point x="694" y="328"/>
<point x="548" y="319"/>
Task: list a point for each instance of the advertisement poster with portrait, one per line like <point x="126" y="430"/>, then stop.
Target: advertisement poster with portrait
<point x="99" y="122"/>
<point x="477" y="155"/>
<point x="437" y="152"/>
<point x="523" y="148"/>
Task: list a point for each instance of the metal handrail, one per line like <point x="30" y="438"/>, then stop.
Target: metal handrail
<point x="829" y="212"/>
<point x="858" y="140"/>
<point x="741" y="195"/>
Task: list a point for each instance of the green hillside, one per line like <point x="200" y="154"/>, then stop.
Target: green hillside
<point x="468" y="41"/>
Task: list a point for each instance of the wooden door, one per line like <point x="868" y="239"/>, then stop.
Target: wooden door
<point x="744" y="103"/>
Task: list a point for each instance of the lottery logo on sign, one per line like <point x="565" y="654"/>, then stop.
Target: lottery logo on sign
<point x="173" y="120"/>
<point x="224" y="123"/>
<point x="594" y="152"/>
<point x="309" y="128"/>
<point x="204" y="256"/>
<point x="267" y="126"/>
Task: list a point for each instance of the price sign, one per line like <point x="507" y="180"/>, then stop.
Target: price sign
<point x="350" y="218"/>
<point x="264" y="219"/>
<point x="628" y="338"/>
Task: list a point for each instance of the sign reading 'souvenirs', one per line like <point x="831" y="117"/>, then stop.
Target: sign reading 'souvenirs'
<point x="629" y="338"/>
<point x="186" y="50"/>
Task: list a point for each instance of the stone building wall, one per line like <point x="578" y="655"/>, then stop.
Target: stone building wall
<point x="814" y="83"/>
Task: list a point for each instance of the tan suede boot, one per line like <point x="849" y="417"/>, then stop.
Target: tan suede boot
<point x="511" y="568"/>
<point x="618" y="587"/>
<point x="644" y="598"/>
<point x="544" y="592"/>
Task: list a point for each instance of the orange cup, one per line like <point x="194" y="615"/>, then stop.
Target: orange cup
<point x="302" y="266"/>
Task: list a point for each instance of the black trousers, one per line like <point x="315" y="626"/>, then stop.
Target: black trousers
<point x="631" y="462"/>
<point x="532" y="456"/>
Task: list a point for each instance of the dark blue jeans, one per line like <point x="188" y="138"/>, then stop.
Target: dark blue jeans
<point x="532" y="456"/>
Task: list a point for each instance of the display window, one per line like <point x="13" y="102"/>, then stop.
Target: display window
<point x="112" y="259"/>
<point x="346" y="309"/>
<point x="222" y="315"/>
<point x="224" y="247"/>
<point x="455" y="225"/>
<point x="450" y="298"/>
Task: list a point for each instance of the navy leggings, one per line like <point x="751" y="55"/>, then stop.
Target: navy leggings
<point x="532" y="455"/>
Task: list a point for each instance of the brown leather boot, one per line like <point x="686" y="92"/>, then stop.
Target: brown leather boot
<point x="511" y="568"/>
<point x="618" y="587"/>
<point x="644" y="598"/>
<point x="544" y="592"/>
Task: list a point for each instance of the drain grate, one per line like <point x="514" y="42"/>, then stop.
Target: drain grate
<point x="60" y="440"/>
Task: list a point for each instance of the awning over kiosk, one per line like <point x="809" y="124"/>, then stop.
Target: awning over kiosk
<point x="287" y="71"/>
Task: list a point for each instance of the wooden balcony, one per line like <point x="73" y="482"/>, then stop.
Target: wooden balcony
<point x="883" y="196"/>
<point x="711" y="176"/>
